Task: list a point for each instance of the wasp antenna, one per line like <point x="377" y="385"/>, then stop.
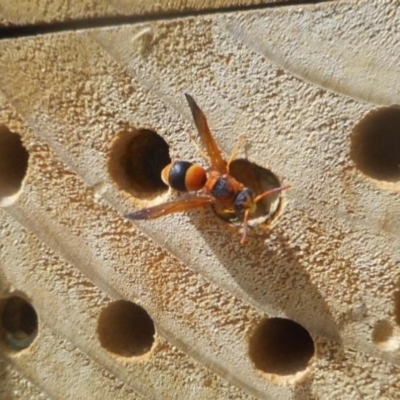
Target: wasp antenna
<point x="269" y="192"/>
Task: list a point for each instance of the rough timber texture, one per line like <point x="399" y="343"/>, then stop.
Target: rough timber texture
<point x="331" y="264"/>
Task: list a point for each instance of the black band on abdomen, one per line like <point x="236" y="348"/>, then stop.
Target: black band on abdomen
<point x="177" y="175"/>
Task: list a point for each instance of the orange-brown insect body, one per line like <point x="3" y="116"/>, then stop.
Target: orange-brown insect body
<point x="219" y="188"/>
<point x="184" y="176"/>
<point x="223" y="188"/>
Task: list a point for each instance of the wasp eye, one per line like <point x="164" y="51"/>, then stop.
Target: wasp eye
<point x="244" y="200"/>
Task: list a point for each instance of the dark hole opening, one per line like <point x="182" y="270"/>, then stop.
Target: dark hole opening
<point x="136" y="160"/>
<point x="126" y="329"/>
<point x="281" y="346"/>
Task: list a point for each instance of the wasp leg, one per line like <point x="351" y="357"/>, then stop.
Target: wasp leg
<point x="245" y="227"/>
<point x="236" y="149"/>
<point x="199" y="150"/>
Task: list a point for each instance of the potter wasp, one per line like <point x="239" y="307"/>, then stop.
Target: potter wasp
<point x="219" y="188"/>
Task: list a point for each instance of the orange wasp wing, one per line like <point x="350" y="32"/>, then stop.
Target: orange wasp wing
<point x="184" y="204"/>
<point x="217" y="161"/>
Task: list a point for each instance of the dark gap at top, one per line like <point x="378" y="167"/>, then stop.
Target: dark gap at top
<point x="17" y="31"/>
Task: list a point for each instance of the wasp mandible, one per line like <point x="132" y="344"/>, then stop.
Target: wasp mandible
<point x="217" y="186"/>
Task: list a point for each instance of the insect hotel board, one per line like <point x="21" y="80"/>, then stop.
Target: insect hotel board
<point x="93" y="109"/>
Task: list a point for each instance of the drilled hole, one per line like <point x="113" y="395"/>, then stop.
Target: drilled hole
<point x="375" y="144"/>
<point x="125" y="329"/>
<point x="137" y="158"/>
<point x="13" y="165"/>
<point x="19" y="323"/>
<point x="385" y="337"/>
<point x="280" y="346"/>
<point x="260" y="180"/>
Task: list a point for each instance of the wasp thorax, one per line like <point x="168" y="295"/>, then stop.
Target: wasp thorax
<point x="184" y="176"/>
<point x="245" y="201"/>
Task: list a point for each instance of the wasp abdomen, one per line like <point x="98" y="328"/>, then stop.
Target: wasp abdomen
<point x="184" y="176"/>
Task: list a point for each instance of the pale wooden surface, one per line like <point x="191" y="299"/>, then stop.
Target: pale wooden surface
<point x="331" y="263"/>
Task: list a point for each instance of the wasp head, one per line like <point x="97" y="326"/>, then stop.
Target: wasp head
<point x="245" y="201"/>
